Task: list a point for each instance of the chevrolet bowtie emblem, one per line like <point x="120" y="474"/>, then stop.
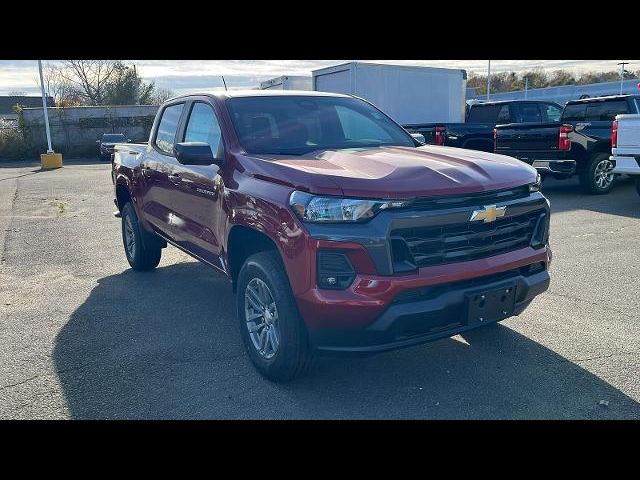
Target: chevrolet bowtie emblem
<point x="489" y="213"/>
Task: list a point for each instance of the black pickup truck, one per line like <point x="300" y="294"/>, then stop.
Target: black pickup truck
<point x="481" y="118"/>
<point x="579" y="143"/>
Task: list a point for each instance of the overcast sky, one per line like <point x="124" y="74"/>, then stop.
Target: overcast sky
<point x="182" y="76"/>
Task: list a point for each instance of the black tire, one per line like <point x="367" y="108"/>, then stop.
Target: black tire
<point x="589" y="175"/>
<point x="145" y="252"/>
<point x="638" y="184"/>
<point x="294" y="354"/>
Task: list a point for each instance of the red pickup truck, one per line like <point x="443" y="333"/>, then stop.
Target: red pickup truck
<point x="340" y="232"/>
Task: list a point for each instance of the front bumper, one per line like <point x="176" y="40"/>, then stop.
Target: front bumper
<point x="626" y="165"/>
<point x="429" y="314"/>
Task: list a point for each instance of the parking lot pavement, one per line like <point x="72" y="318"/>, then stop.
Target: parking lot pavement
<point x="83" y="336"/>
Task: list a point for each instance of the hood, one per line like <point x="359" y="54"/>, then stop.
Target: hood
<point x="397" y="172"/>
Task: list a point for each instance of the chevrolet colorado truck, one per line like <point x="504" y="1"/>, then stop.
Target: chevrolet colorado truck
<point x="625" y="146"/>
<point x="339" y="232"/>
<point x="580" y="142"/>
<point x="481" y="118"/>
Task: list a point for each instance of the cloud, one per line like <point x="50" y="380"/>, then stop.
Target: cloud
<point x="186" y="75"/>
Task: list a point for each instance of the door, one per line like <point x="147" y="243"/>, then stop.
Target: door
<point x="159" y="185"/>
<point x="197" y="203"/>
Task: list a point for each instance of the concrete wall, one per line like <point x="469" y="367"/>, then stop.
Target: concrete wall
<point x="74" y="130"/>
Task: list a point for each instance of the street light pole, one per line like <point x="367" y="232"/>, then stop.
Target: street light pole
<point x="622" y="64"/>
<point x="489" y="80"/>
<point x="44" y="107"/>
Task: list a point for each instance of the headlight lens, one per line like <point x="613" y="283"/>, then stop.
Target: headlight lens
<point x="535" y="186"/>
<point x="317" y="209"/>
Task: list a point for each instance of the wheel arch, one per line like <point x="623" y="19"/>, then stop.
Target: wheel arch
<point x="242" y="242"/>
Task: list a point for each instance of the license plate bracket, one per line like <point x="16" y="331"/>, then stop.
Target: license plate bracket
<point x="491" y="305"/>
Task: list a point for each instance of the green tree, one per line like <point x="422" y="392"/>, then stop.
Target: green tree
<point x="126" y="87"/>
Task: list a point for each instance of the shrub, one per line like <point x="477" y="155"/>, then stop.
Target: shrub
<point x="13" y="145"/>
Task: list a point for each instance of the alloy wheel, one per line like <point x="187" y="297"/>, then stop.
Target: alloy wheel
<point x="603" y="175"/>
<point x="261" y="316"/>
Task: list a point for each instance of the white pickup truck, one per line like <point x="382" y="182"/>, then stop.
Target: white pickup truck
<point x="625" y="146"/>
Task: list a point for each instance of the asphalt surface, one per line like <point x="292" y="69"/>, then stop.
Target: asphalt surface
<point x="84" y="336"/>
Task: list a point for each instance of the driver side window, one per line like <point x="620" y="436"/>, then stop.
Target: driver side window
<point x="203" y="126"/>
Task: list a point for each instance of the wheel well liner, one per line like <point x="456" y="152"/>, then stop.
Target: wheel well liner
<point x="241" y="244"/>
<point x="122" y="195"/>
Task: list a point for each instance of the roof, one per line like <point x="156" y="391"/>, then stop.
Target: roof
<point x="601" y="99"/>
<point x="500" y="102"/>
<point x="7" y="102"/>
<point x="260" y="93"/>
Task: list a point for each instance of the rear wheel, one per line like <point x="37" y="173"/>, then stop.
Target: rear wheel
<point x="141" y="249"/>
<point x="597" y="177"/>
<point x="271" y="327"/>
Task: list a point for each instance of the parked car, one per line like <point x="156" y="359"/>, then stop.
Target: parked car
<point x="579" y="143"/>
<point x="107" y="142"/>
<point x="339" y="232"/>
<point x="625" y="146"/>
<point x="476" y="133"/>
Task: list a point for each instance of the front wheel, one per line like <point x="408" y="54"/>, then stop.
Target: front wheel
<point x="141" y="254"/>
<point x="597" y="176"/>
<point x="271" y="327"/>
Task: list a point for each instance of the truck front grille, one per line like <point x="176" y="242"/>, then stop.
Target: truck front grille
<point x="460" y="242"/>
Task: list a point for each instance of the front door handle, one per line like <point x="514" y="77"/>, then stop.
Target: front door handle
<point x="174" y="177"/>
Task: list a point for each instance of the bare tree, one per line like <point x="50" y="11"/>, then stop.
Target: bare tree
<point x="160" y="95"/>
<point x="56" y="85"/>
<point x="89" y="77"/>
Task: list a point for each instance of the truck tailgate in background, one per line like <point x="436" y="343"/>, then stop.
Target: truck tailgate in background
<point x="628" y="132"/>
<point x="526" y="137"/>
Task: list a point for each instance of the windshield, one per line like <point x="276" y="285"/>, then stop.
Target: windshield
<point x="113" y="137"/>
<point x="294" y="125"/>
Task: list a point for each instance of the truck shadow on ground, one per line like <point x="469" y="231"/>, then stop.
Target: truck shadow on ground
<point x="566" y="195"/>
<point x="165" y="344"/>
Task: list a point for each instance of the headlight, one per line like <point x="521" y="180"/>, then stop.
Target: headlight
<point x="312" y="208"/>
<point x="535" y="186"/>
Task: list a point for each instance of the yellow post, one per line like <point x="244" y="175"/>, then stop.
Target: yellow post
<point x="50" y="160"/>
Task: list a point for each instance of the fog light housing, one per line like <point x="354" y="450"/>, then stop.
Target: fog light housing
<point x="335" y="271"/>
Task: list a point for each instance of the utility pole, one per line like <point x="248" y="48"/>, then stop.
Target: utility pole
<point x="489" y="80"/>
<point x="44" y="107"/>
<point x="50" y="159"/>
<point x="622" y="64"/>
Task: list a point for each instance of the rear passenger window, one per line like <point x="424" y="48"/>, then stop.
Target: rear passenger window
<point x="503" y="115"/>
<point x="529" y="113"/>
<point x="606" y="111"/>
<point x="574" y="113"/>
<point x="483" y="114"/>
<point x="203" y="126"/>
<point x="551" y="112"/>
<point x="166" y="136"/>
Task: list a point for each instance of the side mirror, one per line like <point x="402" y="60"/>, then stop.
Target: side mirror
<point x="195" y="153"/>
<point x="419" y="137"/>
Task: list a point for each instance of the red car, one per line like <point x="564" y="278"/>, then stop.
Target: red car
<point x="340" y="232"/>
